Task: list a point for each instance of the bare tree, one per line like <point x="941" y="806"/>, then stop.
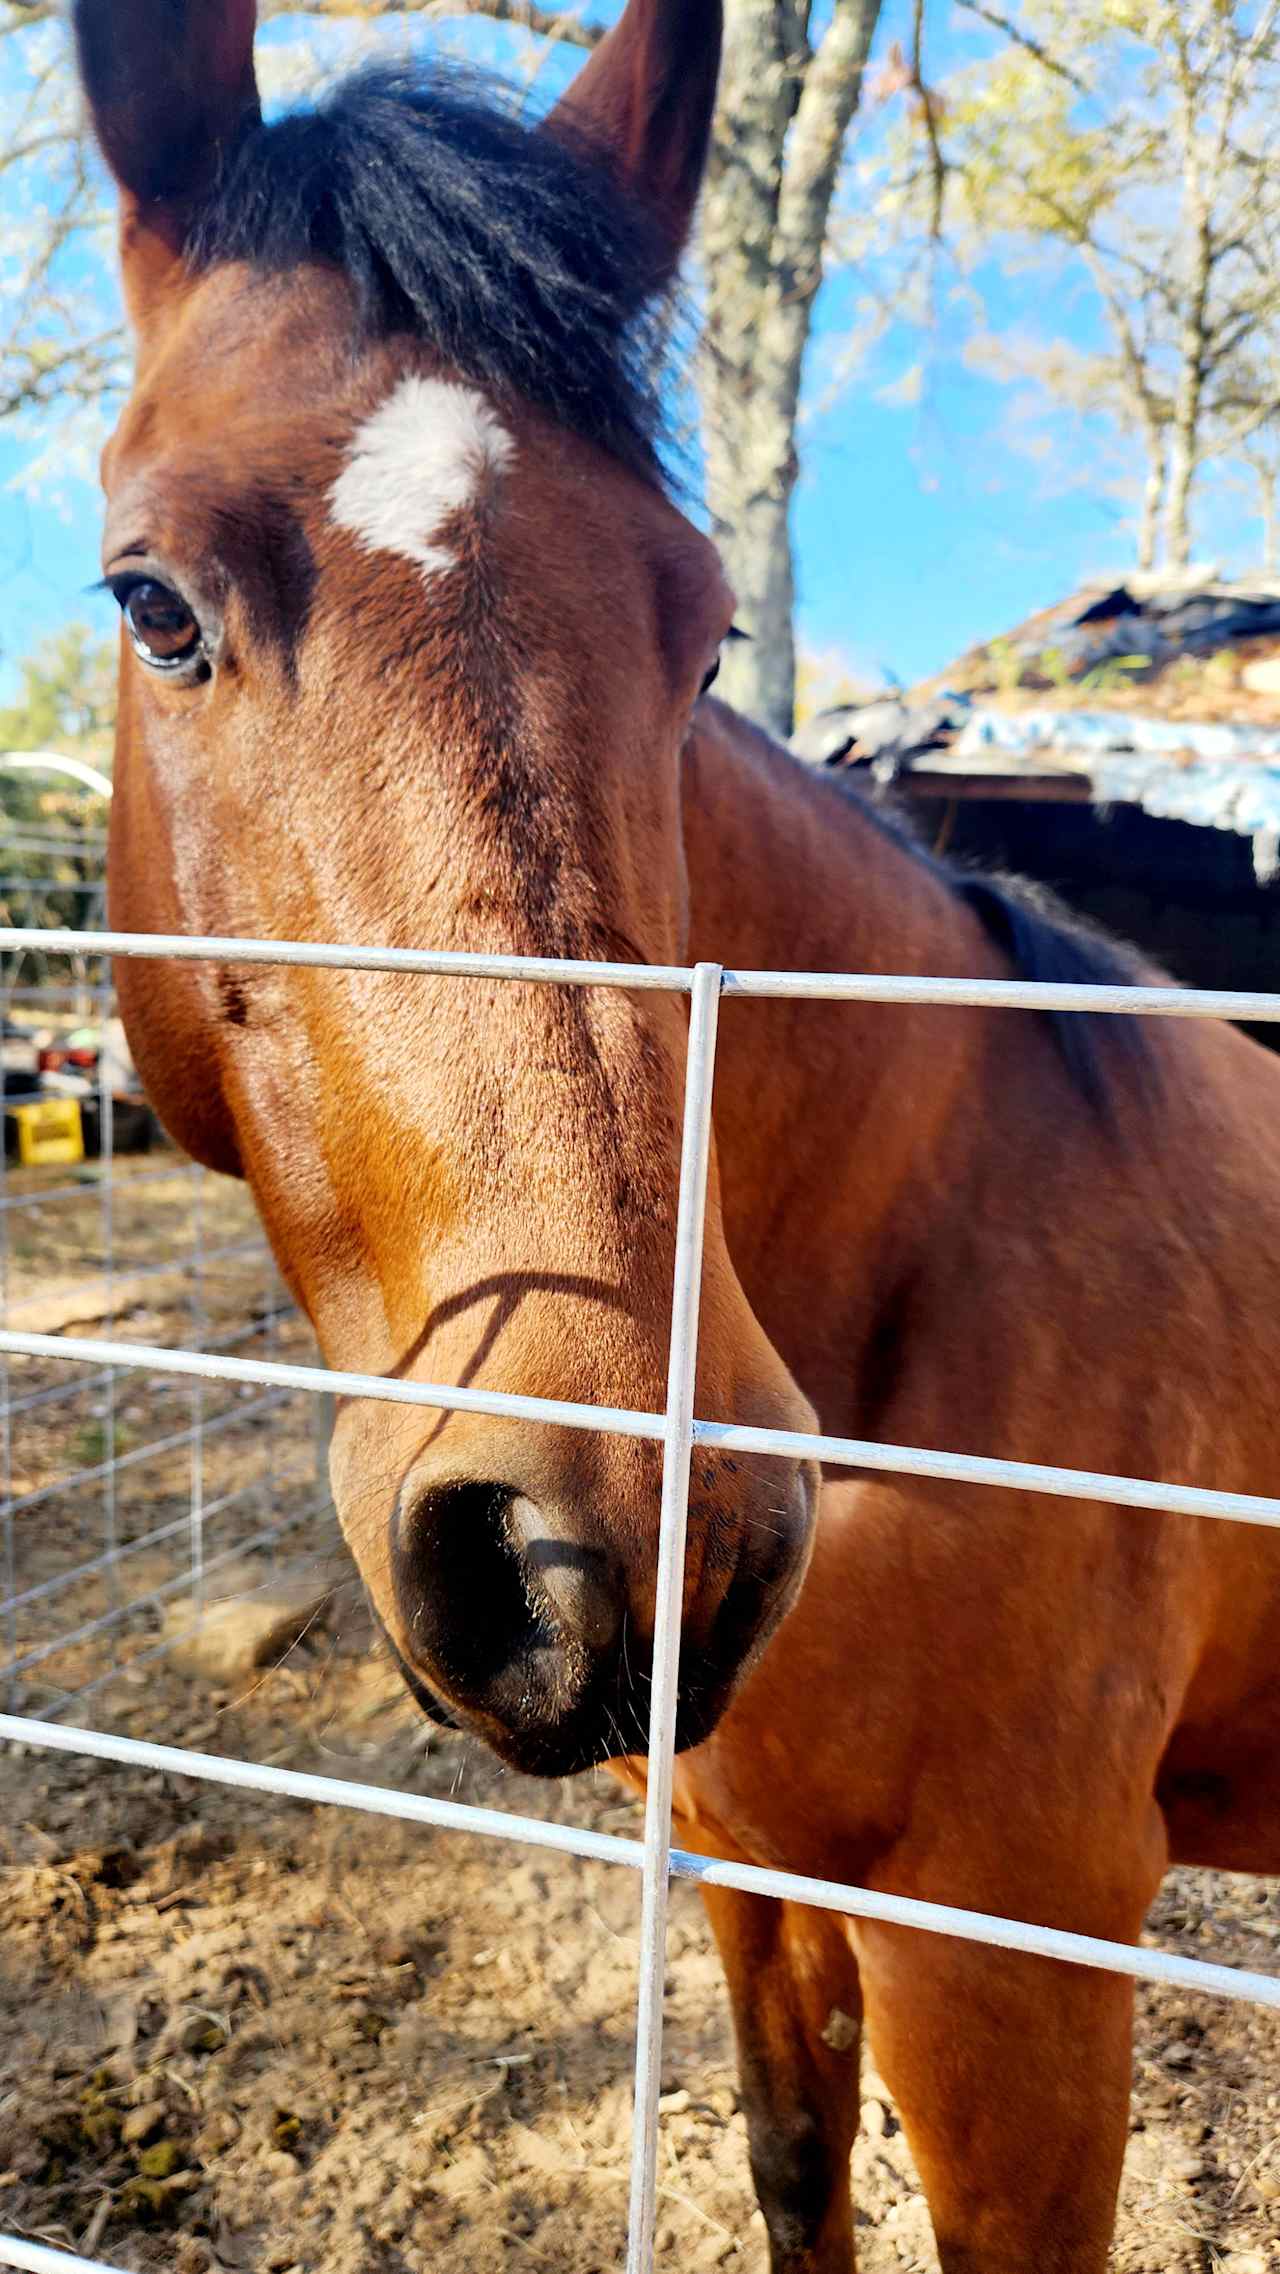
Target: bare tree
<point x="788" y="97"/>
<point x="1132" y="149"/>
<point x="1228" y="227"/>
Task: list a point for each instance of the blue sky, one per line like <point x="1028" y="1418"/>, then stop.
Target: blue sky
<point x="919" y="526"/>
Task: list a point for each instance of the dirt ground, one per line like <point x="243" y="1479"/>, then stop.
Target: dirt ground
<point x="282" y="2039"/>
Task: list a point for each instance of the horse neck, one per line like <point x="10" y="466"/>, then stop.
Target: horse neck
<point x="842" y="1129"/>
<point x="831" y="887"/>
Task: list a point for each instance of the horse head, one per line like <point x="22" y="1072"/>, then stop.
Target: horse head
<point x="413" y="635"/>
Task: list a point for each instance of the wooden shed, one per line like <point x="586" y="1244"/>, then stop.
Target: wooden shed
<point x="1123" y="748"/>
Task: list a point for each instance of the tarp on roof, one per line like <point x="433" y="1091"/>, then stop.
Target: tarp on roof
<point x="1083" y="735"/>
<point x="1213" y="774"/>
<point x="1188" y="664"/>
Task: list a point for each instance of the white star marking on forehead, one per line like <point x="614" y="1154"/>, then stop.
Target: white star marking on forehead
<point x="423" y="456"/>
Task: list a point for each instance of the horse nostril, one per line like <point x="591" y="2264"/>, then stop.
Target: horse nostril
<point x="494" y="1599"/>
<point x="460" y="1584"/>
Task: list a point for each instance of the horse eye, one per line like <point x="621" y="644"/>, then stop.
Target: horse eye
<point x="164" y="632"/>
<point x="711" y="678"/>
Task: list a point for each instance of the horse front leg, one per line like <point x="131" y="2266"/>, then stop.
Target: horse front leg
<point x="793" y="1982"/>
<point x="1012" y="2075"/>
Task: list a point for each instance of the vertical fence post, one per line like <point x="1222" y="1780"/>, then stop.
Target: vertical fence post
<point x="199" y="1337"/>
<point x="677" y="1449"/>
<point x="324" y="1413"/>
<point x="105" y="999"/>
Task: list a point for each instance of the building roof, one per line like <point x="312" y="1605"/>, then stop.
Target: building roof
<point x="1158" y="692"/>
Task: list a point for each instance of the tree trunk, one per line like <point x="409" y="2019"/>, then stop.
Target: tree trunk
<point x="1182" y="471"/>
<point x="1184" y="451"/>
<point x="1152" y="500"/>
<point x="1193" y="343"/>
<point x="781" y="124"/>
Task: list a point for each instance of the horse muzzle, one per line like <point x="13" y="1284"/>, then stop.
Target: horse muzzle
<point x="514" y="1620"/>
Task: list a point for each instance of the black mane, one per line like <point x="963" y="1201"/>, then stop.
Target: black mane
<point x="1045" y="941"/>
<point x="511" y="251"/>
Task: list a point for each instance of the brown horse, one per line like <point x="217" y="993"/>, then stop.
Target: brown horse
<point x="414" y="647"/>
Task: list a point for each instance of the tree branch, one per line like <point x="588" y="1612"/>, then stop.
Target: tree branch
<point x="828" y="99"/>
<point x="929" y="118"/>
<point x="1029" y="45"/>
<point x="85" y="370"/>
<point x="1244" y="56"/>
<point x="548" y="23"/>
<point x="1257" y="417"/>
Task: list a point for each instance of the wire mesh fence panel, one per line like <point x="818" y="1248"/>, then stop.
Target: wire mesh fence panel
<point x="197" y="1382"/>
<point x="122" y="1493"/>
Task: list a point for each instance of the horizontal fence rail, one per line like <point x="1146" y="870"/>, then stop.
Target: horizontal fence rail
<point x="610" y="1847"/>
<point x="620" y="1421"/>
<point x="38" y="2259"/>
<point x="678" y="1431"/>
<point x="807" y="986"/>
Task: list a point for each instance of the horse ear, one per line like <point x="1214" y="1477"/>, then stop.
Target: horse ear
<point x="645" y="99"/>
<point x="169" y="84"/>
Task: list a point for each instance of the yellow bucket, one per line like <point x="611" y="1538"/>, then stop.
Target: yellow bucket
<point x="49" y="1132"/>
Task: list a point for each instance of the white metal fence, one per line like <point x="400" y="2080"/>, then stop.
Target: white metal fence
<point x="111" y="1510"/>
<point x="678" y="1430"/>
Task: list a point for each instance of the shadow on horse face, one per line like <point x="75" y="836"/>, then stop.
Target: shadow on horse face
<point x="413" y="638"/>
<point x="512" y="1569"/>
